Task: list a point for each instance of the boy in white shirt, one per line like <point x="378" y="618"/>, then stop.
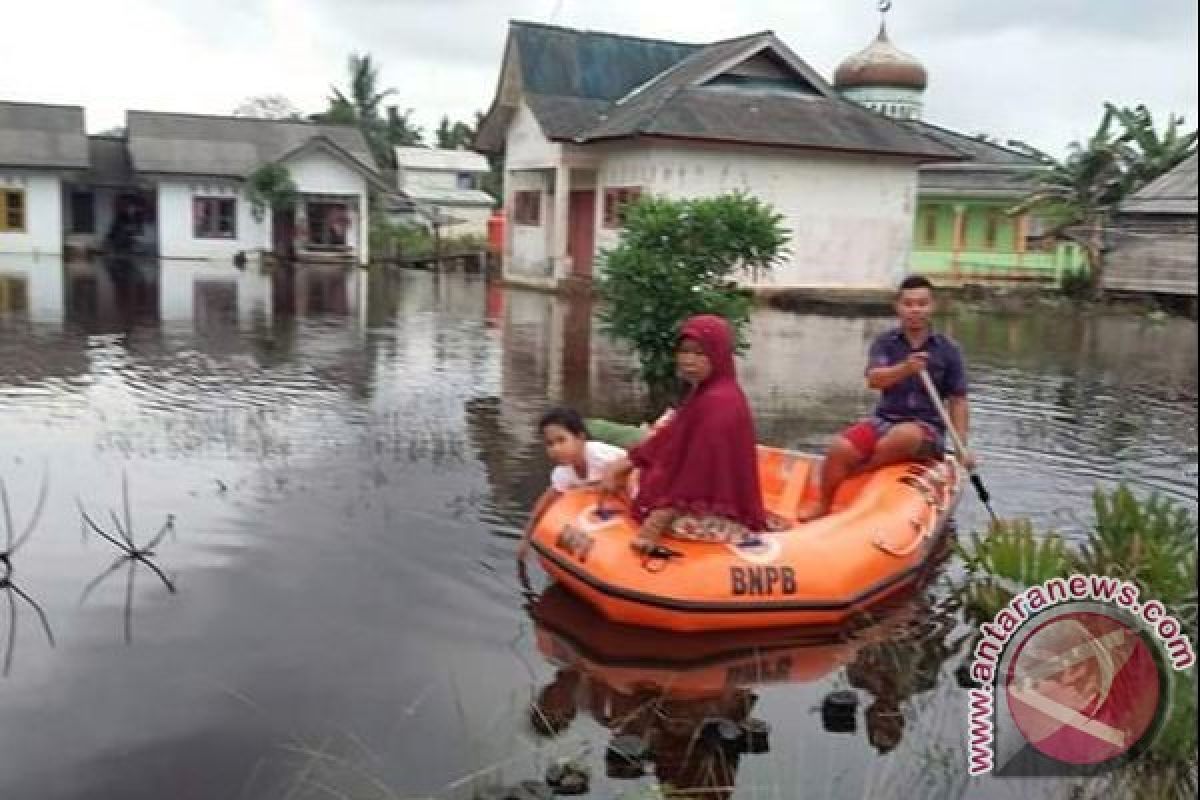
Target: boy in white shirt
<point x="580" y="461"/>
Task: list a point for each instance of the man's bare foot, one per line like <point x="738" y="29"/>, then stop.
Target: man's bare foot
<point x="810" y="513"/>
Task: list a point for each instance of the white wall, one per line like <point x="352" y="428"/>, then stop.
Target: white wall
<point x="43" y="234"/>
<point x="528" y="158"/>
<point x="176" y="239"/>
<point x="526" y="147"/>
<point x="320" y="173"/>
<point x="850" y="218"/>
<point x="530" y="244"/>
<point x="435" y="178"/>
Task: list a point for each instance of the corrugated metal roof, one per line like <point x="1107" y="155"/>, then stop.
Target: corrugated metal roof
<point x="602" y="66"/>
<point x="444" y="196"/>
<point x="974" y="149"/>
<point x="962" y="180"/>
<point x="585" y="86"/>
<point x="786" y="120"/>
<point x="193" y="144"/>
<point x="1172" y="193"/>
<point x="37" y="135"/>
<point x="566" y="117"/>
<point x="436" y="158"/>
<point x="634" y="109"/>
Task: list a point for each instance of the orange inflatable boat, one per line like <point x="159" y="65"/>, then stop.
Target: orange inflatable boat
<point x="884" y="527"/>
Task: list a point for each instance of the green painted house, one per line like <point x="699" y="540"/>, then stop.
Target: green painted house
<point x="962" y="232"/>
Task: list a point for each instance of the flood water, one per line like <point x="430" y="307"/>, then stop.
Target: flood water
<point x="348" y="460"/>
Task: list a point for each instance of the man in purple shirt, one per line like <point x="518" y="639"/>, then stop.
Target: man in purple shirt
<point x="905" y="425"/>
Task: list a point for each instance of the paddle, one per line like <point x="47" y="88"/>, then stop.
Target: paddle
<point x="976" y="481"/>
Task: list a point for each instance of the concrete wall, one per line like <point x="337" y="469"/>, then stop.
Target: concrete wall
<point x="527" y="251"/>
<point x="43" y="234"/>
<point x="175" y="221"/>
<point x="850" y="218"/>
<point x="529" y="162"/>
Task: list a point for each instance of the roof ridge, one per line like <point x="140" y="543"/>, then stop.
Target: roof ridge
<point x="681" y="64"/>
<point x="962" y="135"/>
<point x="197" y="115"/>
<point x="610" y="34"/>
<point x="35" y="104"/>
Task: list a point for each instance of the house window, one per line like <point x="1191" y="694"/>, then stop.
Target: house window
<point x="465" y="180"/>
<point x="214" y="217"/>
<point x="328" y="224"/>
<point x="615" y="200"/>
<point x="992" y="230"/>
<point x="83" y="212"/>
<point x="527" y="208"/>
<point x="929" y="234"/>
<point x="12" y="210"/>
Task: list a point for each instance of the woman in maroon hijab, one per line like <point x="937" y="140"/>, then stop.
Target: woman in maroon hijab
<point x="699" y="473"/>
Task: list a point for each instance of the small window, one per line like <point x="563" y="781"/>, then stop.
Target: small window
<point x="12" y="210"/>
<point x="929" y="235"/>
<point x="83" y="212"/>
<point x="527" y="208"/>
<point x="465" y="180"/>
<point x="214" y="217"/>
<point x="615" y="200"/>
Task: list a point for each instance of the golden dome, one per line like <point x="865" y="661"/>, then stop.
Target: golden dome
<point x="880" y="63"/>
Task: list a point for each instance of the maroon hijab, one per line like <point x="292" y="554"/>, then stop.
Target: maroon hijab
<point x="704" y="460"/>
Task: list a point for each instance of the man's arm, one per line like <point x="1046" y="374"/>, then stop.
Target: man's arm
<point x="886" y="376"/>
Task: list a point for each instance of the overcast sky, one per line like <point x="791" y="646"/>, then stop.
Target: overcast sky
<point x="1037" y="70"/>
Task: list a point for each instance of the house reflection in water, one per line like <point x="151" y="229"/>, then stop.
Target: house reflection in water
<point x="114" y="293"/>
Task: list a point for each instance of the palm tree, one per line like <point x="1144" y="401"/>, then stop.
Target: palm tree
<point x="1079" y="193"/>
<point x="1156" y="154"/>
<point x="363" y="105"/>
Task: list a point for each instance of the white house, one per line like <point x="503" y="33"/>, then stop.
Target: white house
<point x="589" y="120"/>
<point x="41" y="147"/>
<point x="199" y="166"/>
<point x="445" y="185"/>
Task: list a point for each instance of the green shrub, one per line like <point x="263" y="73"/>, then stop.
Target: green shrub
<point x="677" y="258"/>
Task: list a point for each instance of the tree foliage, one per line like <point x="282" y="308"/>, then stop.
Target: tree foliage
<point x="677" y="258"/>
<point x="268" y="106"/>
<point x="271" y="187"/>
<point x="1080" y="193"/>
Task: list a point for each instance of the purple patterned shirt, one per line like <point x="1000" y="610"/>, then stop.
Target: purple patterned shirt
<point x="907" y="399"/>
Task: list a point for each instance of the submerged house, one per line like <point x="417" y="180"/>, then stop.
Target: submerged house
<point x="445" y="187"/>
<point x="588" y="121"/>
<point x="42" y="149"/>
<point x="177" y="186"/>
<point x="199" y="166"/>
<point x="1152" y="247"/>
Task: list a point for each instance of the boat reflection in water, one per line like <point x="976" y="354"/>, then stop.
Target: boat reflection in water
<point x="686" y="708"/>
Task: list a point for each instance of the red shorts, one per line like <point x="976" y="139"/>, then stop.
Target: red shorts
<point x="866" y="433"/>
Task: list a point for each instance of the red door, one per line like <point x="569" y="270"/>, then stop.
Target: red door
<point x="581" y="231"/>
